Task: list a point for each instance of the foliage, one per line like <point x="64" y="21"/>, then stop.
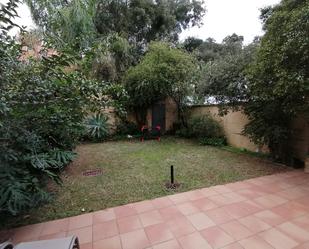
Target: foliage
<point x="142" y="21"/>
<point x="128" y="128"/>
<point x="164" y="71"/>
<point x="97" y="127"/>
<point x="42" y="108"/>
<point x="214" y="141"/>
<point x="67" y="22"/>
<point x="224" y="78"/>
<point x="108" y="58"/>
<point x="278" y="77"/>
<point x="139" y="21"/>
<point x="202" y="127"/>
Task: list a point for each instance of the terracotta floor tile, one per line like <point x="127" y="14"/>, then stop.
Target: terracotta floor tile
<point x="270" y="201"/>
<point x="170" y="212"/>
<point x="234" y="197"/>
<point x="80" y="221"/>
<point x="193" y="241"/>
<point x="295" y="232"/>
<point x="237" y="210"/>
<point x="179" y="198"/>
<point x="216" y="237"/>
<point x="123" y="211"/>
<point x="289" y="210"/>
<point x="27" y="233"/>
<point x="204" y="204"/>
<point x="110" y="243"/>
<point x="162" y="202"/>
<point x="302" y="246"/>
<point x="219" y="215"/>
<point x="180" y="226"/>
<point x="221" y="189"/>
<point x="171" y="244"/>
<point x="151" y="218"/>
<point x="128" y="224"/>
<point x="103" y="216"/>
<point x="158" y="233"/>
<point x="53" y="236"/>
<point x="292" y="193"/>
<point x="87" y="246"/>
<point x="235" y="245"/>
<point x="143" y="206"/>
<point x="208" y="192"/>
<point x="249" y="193"/>
<point x="221" y="200"/>
<point x="200" y="221"/>
<point x="303" y="201"/>
<point x="235" y="186"/>
<point x="302" y="221"/>
<point x="255" y="242"/>
<point x="277" y="239"/>
<point x="135" y="240"/>
<point x="254" y="224"/>
<point x="56" y="226"/>
<point x="187" y="208"/>
<point x="84" y="234"/>
<point x="252" y="206"/>
<point x="195" y="195"/>
<point x="270" y="217"/>
<point x="236" y="230"/>
<point x="105" y="230"/>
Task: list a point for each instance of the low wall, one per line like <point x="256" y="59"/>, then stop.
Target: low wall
<point x="232" y="123"/>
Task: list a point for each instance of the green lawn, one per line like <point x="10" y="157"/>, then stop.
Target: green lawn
<point x="134" y="171"/>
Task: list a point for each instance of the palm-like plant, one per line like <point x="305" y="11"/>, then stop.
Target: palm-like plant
<point x="97" y="126"/>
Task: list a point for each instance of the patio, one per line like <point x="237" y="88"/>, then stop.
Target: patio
<point x="265" y="212"/>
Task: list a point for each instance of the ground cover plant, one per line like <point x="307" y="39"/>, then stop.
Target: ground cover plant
<point x="134" y="171"/>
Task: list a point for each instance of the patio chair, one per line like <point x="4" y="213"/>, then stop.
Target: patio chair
<point x="6" y="245"/>
<point x="63" y="243"/>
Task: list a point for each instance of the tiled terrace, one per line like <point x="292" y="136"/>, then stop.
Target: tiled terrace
<point x="260" y="213"/>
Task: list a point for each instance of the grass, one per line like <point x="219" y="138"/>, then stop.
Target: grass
<point x="134" y="171"/>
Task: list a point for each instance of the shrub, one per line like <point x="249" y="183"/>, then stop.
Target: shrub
<point x="204" y="126"/>
<point x="97" y="127"/>
<point x="128" y="128"/>
<point x="214" y="141"/>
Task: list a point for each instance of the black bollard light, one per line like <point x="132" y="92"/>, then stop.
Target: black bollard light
<point x="172" y="174"/>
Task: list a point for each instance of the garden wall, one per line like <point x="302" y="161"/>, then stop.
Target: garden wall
<point x="232" y="123"/>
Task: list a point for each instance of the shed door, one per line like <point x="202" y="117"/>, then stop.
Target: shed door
<point x="158" y="115"/>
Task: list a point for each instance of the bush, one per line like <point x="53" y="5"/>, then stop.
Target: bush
<point x="204" y="126"/>
<point x="214" y="141"/>
<point x="128" y="128"/>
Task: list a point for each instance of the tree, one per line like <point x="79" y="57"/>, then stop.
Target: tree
<point x="142" y="21"/>
<point x="278" y="77"/>
<point x="42" y="110"/>
<point x="164" y="71"/>
<point x="66" y="21"/>
<point x="223" y="78"/>
<point x="138" y="21"/>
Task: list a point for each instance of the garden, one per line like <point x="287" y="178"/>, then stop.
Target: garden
<point x="59" y="154"/>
